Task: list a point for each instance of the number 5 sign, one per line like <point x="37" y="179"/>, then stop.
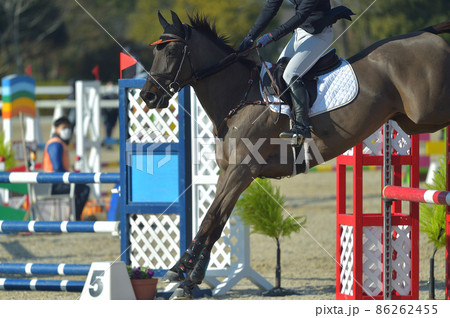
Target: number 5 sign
<point x="107" y="280"/>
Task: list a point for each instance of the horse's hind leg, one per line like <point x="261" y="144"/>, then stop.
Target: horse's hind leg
<point x="232" y="183"/>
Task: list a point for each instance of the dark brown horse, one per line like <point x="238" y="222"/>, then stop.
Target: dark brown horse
<point x="405" y="78"/>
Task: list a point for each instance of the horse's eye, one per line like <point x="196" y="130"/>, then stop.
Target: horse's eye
<point x="171" y="53"/>
<point x="160" y="46"/>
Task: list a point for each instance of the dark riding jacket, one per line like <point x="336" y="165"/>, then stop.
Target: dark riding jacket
<point x="310" y="15"/>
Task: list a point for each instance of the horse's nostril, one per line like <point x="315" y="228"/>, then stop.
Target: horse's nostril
<point x="148" y="97"/>
<point x="151" y="97"/>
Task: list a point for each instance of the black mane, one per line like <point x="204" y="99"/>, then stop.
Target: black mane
<point x="203" y="25"/>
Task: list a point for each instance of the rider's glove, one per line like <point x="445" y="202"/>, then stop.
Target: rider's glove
<point x="264" y="40"/>
<point x="246" y="44"/>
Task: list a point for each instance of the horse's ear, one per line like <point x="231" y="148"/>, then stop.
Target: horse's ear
<point x="176" y="21"/>
<point x="163" y="21"/>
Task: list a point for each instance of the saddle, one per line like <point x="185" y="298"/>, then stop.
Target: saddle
<point x="324" y="65"/>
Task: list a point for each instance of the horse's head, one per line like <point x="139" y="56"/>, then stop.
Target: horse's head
<point x="171" y="69"/>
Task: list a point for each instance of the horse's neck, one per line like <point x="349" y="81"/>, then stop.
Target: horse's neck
<point x="221" y="92"/>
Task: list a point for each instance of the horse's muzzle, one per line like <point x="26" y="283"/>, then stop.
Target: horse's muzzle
<point x="153" y="100"/>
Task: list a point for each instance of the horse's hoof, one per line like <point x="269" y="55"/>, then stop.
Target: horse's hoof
<point x="181" y="294"/>
<point x="172" y="277"/>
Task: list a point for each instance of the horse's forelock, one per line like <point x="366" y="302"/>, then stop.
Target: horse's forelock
<point x="172" y="29"/>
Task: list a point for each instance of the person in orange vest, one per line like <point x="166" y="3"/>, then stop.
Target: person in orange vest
<point x="56" y="159"/>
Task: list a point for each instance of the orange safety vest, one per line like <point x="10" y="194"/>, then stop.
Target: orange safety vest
<point x="47" y="163"/>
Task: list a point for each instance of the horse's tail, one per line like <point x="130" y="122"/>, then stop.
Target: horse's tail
<point x="443" y="27"/>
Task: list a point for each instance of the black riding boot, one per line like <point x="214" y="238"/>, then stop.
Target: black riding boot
<point x="300" y="106"/>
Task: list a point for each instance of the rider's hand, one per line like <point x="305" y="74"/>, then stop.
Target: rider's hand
<point x="246" y="44"/>
<point x="264" y="40"/>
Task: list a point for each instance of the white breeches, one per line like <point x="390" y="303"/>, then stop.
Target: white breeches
<point x="305" y="49"/>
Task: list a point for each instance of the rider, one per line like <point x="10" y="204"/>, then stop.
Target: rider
<point x="313" y="35"/>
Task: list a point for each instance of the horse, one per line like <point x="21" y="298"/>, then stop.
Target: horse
<point x="405" y="78"/>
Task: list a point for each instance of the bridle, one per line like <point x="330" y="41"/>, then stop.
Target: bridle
<point x="174" y="86"/>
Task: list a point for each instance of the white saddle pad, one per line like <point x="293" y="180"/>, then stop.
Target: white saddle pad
<point x="334" y="90"/>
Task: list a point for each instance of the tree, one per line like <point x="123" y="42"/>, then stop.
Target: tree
<point x="387" y="18"/>
<point x="232" y="17"/>
<point x="60" y="39"/>
<point x="90" y="43"/>
<point x="261" y="207"/>
<point x="29" y="26"/>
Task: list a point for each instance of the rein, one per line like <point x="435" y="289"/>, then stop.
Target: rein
<point x="244" y="101"/>
<point x="225" y="62"/>
<point x="175" y="87"/>
<point x="241" y="104"/>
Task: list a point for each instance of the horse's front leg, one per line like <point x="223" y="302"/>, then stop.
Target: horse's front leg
<point x="194" y="261"/>
<point x="190" y="257"/>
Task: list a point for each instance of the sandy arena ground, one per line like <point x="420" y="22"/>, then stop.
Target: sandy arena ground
<point x="308" y="264"/>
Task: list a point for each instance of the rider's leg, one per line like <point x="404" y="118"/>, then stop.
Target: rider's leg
<point x="300" y="106"/>
<point x="304" y="49"/>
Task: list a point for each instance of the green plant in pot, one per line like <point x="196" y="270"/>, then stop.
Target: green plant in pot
<point x="6" y="153"/>
<point x="262" y="207"/>
<point x="432" y="220"/>
<point x="144" y="285"/>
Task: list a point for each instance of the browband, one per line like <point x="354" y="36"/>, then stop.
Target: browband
<point x="160" y="41"/>
<point x="173" y="37"/>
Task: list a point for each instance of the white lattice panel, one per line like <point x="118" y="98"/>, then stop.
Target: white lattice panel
<point x="401" y="265"/>
<point x="203" y="146"/>
<point x="373" y="145"/>
<point x="206" y="165"/>
<point x="220" y="255"/>
<point x="150" y="125"/>
<point x="154" y="240"/>
<point x="346" y="260"/>
<point x="401" y="141"/>
<point x="87" y="130"/>
<point x="204" y="179"/>
<point x="372" y="260"/>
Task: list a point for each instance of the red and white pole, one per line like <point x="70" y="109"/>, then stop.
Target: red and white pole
<point x="416" y="195"/>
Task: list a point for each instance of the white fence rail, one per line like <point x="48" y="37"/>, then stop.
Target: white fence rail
<point x="68" y="103"/>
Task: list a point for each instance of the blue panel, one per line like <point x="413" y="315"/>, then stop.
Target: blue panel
<point x="154" y="178"/>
